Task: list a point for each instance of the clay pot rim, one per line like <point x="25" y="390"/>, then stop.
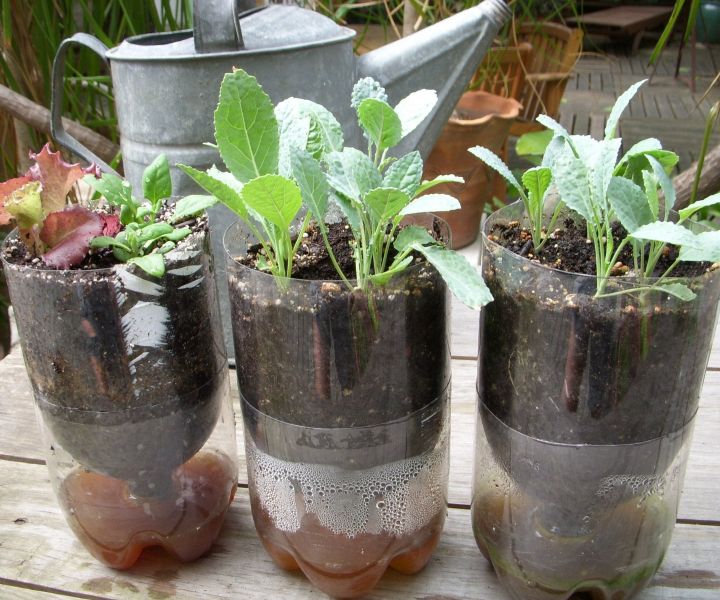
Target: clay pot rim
<point x="512" y="112"/>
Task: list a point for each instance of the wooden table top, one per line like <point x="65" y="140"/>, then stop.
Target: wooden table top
<point x="625" y="19"/>
<point x="41" y="559"/>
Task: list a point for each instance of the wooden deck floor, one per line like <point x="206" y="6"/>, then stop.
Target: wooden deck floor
<point x="665" y="109"/>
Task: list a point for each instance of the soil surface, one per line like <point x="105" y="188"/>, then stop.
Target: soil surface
<point x="312" y="261"/>
<point x="570" y="250"/>
<point x="17" y="253"/>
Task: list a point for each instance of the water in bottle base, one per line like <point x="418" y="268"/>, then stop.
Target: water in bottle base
<point x="116" y="527"/>
<point x="345" y="567"/>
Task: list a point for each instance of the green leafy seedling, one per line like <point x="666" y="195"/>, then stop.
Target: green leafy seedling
<point x="145" y="239"/>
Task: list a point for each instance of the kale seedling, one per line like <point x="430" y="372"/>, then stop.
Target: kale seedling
<point x="589" y="179"/>
<point x="289" y="156"/>
<point x="144" y="240"/>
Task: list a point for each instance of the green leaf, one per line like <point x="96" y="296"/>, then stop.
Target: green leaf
<point x="665" y="183"/>
<point x="602" y="168"/>
<point x="413" y="234"/>
<point x="115" y="190"/>
<point x="324" y="132"/>
<point x="177" y="234"/>
<point x="274" y="198"/>
<point x="571" y="180"/>
<point x="365" y="88"/>
<point x="553" y="126"/>
<point x="619" y="107"/>
<point x="533" y="143"/>
<point x="537" y="181"/>
<point x="104" y="241"/>
<point x="385" y="203"/>
<point x="352" y="173"/>
<point x="294" y="133"/>
<point x="650" y="183"/>
<point x="313" y="184"/>
<point x="629" y="203"/>
<point x="348" y="209"/>
<point x="641" y="147"/>
<point x="153" y="231"/>
<point x="440" y="179"/>
<point x="414" y="108"/>
<point x="464" y="280"/>
<point x="679" y="290"/>
<point x="431" y="203"/>
<point x="157" y="184"/>
<point x="691" y="209"/>
<point x="493" y="161"/>
<point x="380" y="123"/>
<point x="385" y="276"/>
<point x="405" y="174"/>
<point x="190" y="206"/>
<point x="25" y="205"/>
<point x="220" y="185"/>
<point x="705" y="247"/>
<point x="153" y="264"/>
<point x="667" y="232"/>
<point x="246" y="130"/>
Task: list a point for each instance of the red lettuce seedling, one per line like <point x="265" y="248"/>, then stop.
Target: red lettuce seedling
<point x="68" y="233"/>
<point x="38" y="204"/>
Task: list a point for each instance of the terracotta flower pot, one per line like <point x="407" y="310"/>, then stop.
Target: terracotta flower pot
<point x="480" y="119"/>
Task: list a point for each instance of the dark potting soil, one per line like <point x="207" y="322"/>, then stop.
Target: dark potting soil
<point x="560" y="365"/>
<point x="127" y="369"/>
<point x="570" y="250"/>
<point x="312" y="261"/>
<point x="317" y="354"/>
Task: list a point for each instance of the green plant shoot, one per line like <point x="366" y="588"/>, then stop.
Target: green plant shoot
<point x="145" y="239"/>
<point x="292" y="156"/>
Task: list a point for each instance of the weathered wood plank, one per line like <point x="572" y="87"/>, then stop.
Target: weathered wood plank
<point x="42" y="549"/>
<point x="10" y="591"/>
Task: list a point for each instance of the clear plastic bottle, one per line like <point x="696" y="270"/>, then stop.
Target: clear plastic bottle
<point x="130" y="380"/>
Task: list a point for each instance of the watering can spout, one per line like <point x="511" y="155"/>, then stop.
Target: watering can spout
<point x="442" y="57"/>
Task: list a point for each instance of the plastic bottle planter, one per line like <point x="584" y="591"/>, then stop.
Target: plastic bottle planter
<point x="586" y="410"/>
<point x="130" y="380"/>
<point x="346" y="421"/>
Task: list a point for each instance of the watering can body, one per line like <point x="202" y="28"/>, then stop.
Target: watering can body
<point x="166" y="85"/>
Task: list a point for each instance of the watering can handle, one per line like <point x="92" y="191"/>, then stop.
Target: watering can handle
<point x="57" y="129"/>
<point x="216" y="25"/>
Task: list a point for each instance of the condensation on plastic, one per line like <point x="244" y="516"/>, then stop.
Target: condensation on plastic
<point x="344" y="398"/>
<point x="586" y="408"/>
<point x="340" y="504"/>
<point x="129" y="375"/>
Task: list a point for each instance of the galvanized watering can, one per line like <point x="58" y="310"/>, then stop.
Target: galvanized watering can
<point x="166" y="85"/>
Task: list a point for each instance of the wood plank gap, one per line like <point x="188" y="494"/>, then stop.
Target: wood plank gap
<point x="713" y="369"/>
<point x="705" y="522"/>
<point x="475" y="358"/>
<point x="460" y="506"/>
<point x="50" y="590"/>
<point x="22" y="459"/>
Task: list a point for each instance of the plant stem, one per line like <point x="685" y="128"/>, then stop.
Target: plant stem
<point x="331" y="254"/>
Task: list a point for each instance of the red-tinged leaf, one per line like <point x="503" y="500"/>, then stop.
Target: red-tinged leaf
<point x="68" y="234"/>
<point x="6" y="190"/>
<point x="111" y="225"/>
<point x="57" y="178"/>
